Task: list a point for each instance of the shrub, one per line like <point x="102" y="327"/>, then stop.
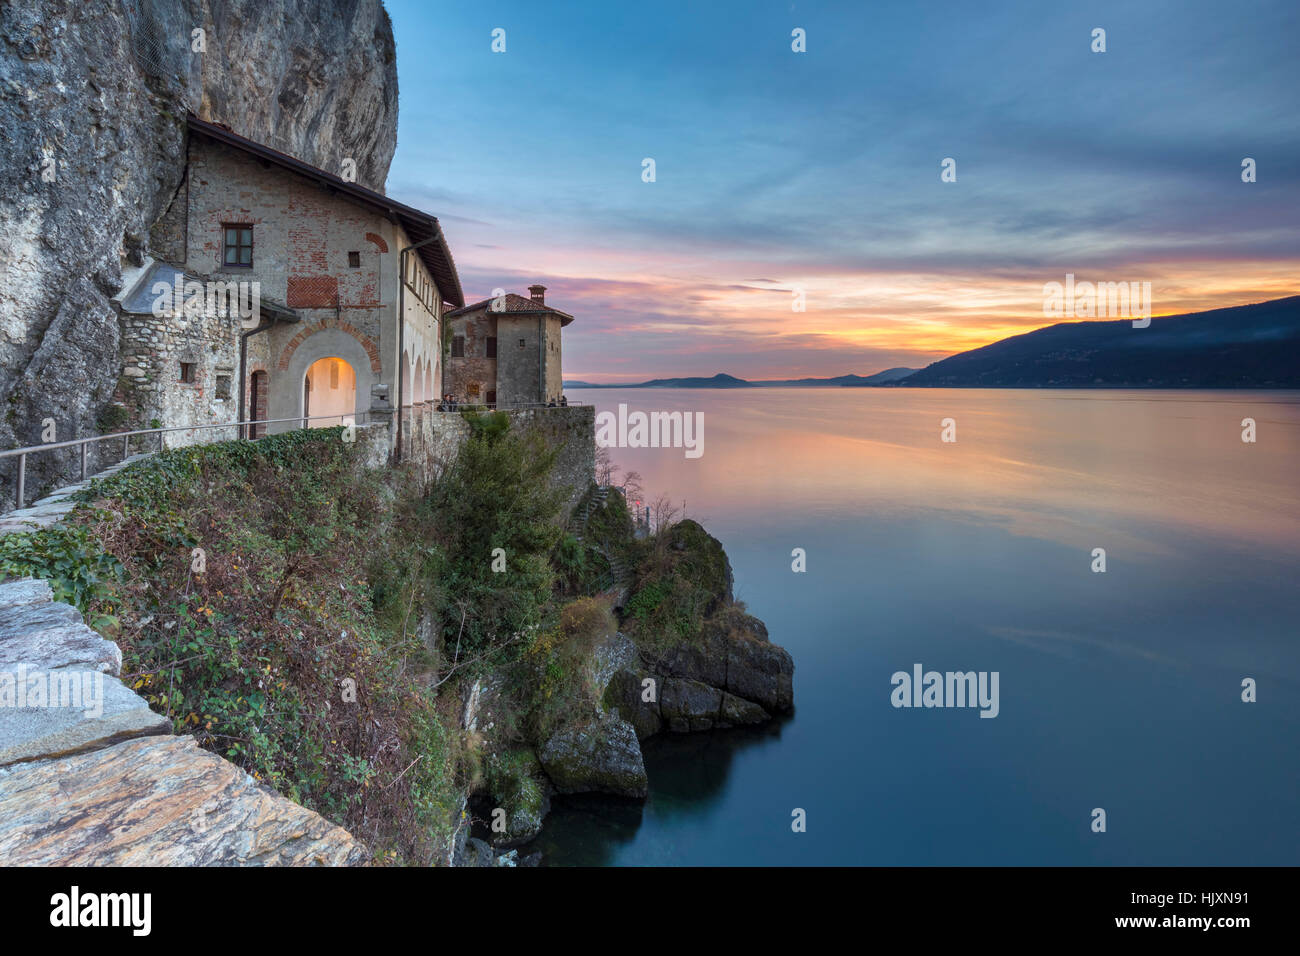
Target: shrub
<point x="77" y="569"/>
<point x="683" y="577"/>
<point x="496" y="495"/>
<point x="275" y="650"/>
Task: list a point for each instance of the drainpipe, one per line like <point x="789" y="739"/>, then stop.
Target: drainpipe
<point x="401" y="331"/>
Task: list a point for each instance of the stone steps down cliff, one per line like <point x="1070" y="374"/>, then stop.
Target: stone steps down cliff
<point x="619" y="573"/>
<point x="51" y="509"/>
<point x="90" y="776"/>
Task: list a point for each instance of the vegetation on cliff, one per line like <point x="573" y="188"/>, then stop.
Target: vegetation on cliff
<point x="330" y="628"/>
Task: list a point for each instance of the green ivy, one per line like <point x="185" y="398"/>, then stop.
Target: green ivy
<point x="77" y="569"/>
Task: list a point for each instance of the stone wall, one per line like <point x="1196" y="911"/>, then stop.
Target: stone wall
<point x="573" y="431"/>
<point x="151" y="387"/>
<point x="434" y="438"/>
<point x="518" y="375"/>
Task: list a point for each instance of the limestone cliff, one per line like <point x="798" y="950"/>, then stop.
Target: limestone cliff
<point x="93" y="97"/>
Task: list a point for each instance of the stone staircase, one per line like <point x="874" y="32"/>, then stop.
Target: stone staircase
<point x="52" y="508"/>
<point x="90" y="776"/>
<point x="619" y="573"/>
<point x="581" y="515"/>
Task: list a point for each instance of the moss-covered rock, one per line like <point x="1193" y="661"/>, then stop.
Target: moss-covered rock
<point x="683" y="578"/>
<point x="625" y="695"/>
<point x="599" y="756"/>
<point x="516" y="784"/>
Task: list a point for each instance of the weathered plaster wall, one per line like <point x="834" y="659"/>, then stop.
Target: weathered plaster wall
<point x="518" y="374"/>
<point x="302" y="237"/>
<point x="554" y="371"/>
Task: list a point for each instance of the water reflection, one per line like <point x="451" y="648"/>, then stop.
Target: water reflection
<point x="689" y="776"/>
<point x="1120" y="687"/>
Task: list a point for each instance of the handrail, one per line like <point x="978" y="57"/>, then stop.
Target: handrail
<point x="125" y="437"/>
<point x="460" y="406"/>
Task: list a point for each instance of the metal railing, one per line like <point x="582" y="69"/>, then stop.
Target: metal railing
<point x="459" y="406"/>
<point x="125" y="437"/>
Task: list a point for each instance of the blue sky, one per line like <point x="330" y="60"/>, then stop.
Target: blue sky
<point x="819" y="171"/>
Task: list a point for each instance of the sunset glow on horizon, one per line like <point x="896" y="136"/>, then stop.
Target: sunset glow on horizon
<point x="819" y="172"/>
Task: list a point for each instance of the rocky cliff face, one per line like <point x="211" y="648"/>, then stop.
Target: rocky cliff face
<point x="93" y="97"/>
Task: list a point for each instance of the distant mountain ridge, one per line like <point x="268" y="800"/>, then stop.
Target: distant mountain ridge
<point x="1247" y="346"/>
<point x="1244" y="346"/>
<point x="722" y="380"/>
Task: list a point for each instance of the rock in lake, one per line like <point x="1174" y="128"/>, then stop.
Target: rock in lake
<point x="624" y="695"/>
<point x="599" y="755"/>
<point x="689" y="705"/>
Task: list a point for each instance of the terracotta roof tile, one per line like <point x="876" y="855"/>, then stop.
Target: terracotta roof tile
<point x="513" y="303"/>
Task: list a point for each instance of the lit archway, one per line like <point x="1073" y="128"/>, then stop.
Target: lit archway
<point x="329" y="389"/>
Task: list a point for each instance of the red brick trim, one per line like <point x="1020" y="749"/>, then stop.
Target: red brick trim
<point x="371" y="349"/>
<point x="312" y="292"/>
<point x="378" y="241"/>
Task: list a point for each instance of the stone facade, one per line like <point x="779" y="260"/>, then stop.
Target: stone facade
<point x="526" y="368"/>
<point x="472" y="375"/>
<point x="180" y="373"/>
<point x="328" y="263"/>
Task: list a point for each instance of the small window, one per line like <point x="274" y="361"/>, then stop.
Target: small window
<point x="187" y="373"/>
<point x="491" y="397"/>
<point x="238" y="245"/>
<point x="522" y="343"/>
<point x="223" y="387"/>
<point x="491" y="347"/>
<point x="354" y="260"/>
<point x="458" y="346"/>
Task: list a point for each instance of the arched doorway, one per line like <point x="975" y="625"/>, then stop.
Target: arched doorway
<point x="257" y="401"/>
<point x="408" y="382"/>
<point x="329" y="388"/>
<point x="420" y="395"/>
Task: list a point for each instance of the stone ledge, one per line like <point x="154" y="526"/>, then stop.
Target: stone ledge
<point x="29" y="733"/>
<point x="158" y="801"/>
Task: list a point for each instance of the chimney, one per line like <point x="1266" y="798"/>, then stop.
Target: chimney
<point x="538" y="293"/>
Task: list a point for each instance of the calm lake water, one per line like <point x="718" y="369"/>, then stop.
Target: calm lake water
<point x="1119" y="690"/>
